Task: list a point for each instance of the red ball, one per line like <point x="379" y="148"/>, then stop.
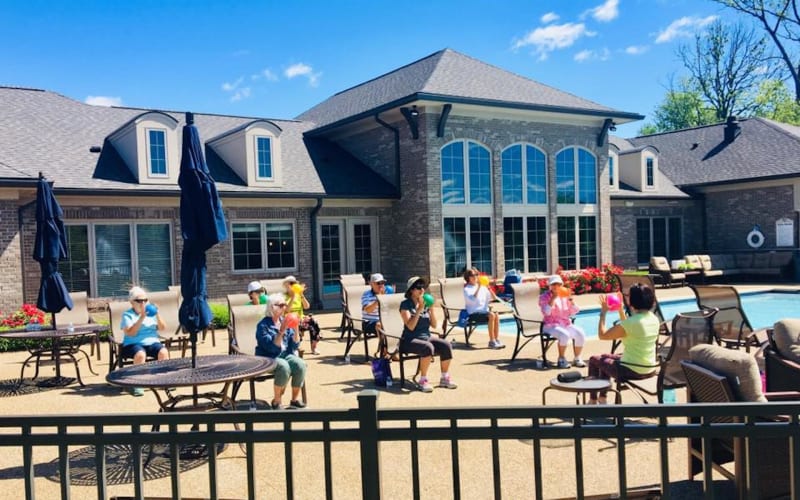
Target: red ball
<point x="292" y="320"/>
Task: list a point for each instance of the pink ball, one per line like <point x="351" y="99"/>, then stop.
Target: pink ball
<point x="613" y="302"/>
<point x="292" y="320"/>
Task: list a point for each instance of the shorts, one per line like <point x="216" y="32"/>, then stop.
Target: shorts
<point x="369" y="327"/>
<point x="479" y="317"/>
<point x="151" y="351"/>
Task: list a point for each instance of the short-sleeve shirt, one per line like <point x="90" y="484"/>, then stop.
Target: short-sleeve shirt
<point x="479" y="303"/>
<point x="266" y="331"/>
<point x="294" y="305"/>
<point x="148" y="331"/>
<point x="367" y="298"/>
<point x="423" y="329"/>
<point x="641" y="331"/>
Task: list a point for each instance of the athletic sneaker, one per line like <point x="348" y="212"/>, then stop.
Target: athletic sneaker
<point x="578" y="362"/>
<point x="137" y="391"/>
<point x="447" y="382"/>
<point x="425" y="385"/>
<point x="563" y="363"/>
<point x="498" y="344"/>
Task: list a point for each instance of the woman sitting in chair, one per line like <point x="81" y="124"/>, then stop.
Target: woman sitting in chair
<point x="418" y="319"/>
<point x="638" y="334"/>
<point x="277" y="341"/>
<point x="256" y="293"/>
<point x="141" y="324"/>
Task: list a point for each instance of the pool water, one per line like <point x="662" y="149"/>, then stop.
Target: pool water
<point x="763" y="309"/>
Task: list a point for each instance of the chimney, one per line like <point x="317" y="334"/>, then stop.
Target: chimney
<point x="732" y="129"/>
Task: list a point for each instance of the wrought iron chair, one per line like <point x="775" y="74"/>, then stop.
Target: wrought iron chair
<point x="731" y="326"/>
<point x="78" y="316"/>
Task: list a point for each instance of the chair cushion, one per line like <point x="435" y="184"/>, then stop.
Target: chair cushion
<point x="693" y="261"/>
<point x="659" y="264"/>
<point x="729" y="260"/>
<point x="739" y="368"/>
<point x="780" y="259"/>
<point x="705" y="262"/>
<point x="786" y="335"/>
<point x="744" y="260"/>
<point x="761" y="260"/>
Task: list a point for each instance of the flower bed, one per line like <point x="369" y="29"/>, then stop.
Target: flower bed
<point x="589" y="280"/>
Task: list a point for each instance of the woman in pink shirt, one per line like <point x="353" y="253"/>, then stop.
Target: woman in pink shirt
<point x="557" y="322"/>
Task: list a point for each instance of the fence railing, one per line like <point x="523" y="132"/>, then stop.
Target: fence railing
<point x="117" y="455"/>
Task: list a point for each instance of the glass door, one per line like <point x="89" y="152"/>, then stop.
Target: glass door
<point x="346" y="246"/>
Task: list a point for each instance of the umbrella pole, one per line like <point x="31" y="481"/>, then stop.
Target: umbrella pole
<point x="193" y="340"/>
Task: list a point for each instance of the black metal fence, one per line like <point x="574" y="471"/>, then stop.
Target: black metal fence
<point x="139" y="447"/>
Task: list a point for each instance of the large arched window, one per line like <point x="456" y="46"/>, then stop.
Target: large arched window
<point x="524" y="175"/>
<point x="576" y="176"/>
<point x="466" y="174"/>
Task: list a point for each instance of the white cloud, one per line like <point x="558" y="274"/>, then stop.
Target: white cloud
<point x="604" y="13"/>
<point x="266" y="74"/>
<point x="301" y="69"/>
<point x="683" y="27"/>
<point x="549" y="18"/>
<point x="102" y="100"/>
<point x="635" y="50"/>
<point x="231" y="86"/>
<point x="593" y="55"/>
<point x="242" y="93"/>
<point x="553" y="37"/>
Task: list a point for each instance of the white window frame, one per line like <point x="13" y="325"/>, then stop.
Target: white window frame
<point x="271" y="157"/>
<point x="654" y="186"/>
<point x="526" y="257"/>
<point x="613" y="162"/>
<point x="263" y="234"/>
<point x="466" y="207"/>
<point x="150" y="172"/>
<point x="525" y="207"/>
<point x="577" y="206"/>
<point x="468" y="257"/>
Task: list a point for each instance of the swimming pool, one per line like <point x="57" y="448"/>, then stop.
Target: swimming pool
<point x="762" y="309"/>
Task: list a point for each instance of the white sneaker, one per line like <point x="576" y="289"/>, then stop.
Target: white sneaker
<point x="447" y="382"/>
<point x="498" y="344"/>
<point x="492" y="344"/>
<point x="563" y="363"/>
<point x="578" y="362"/>
<point x="425" y="385"/>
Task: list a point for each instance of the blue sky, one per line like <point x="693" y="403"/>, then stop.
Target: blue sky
<point x="275" y="59"/>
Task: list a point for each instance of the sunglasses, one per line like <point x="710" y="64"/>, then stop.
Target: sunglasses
<point x="280" y="305"/>
<point x="141" y="301"/>
<point x="418" y="287"/>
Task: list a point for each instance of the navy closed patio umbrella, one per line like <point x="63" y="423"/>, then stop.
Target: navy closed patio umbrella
<point x="49" y="248"/>
<point x="202" y="226"/>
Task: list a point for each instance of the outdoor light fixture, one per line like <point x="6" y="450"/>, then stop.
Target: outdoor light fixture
<point x="414" y="111"/>
<point x="411" y="115"/>
<point x="613" y="127"/>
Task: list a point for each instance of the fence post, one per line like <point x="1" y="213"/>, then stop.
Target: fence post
<point x="370" y="456"/>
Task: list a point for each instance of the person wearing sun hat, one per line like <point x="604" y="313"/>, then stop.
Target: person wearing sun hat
<point x="256" y="293"/>
<point x="418" y="319"/>
<point x="295" y="295"/>
<point x="558" y="310"/>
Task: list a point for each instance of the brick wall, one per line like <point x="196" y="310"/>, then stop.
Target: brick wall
<point x="11" y="285"/>
<point x="731" y="215"/>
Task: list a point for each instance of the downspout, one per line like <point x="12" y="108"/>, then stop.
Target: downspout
<point x="396" y="133"/>
<point x="314" y="250"/>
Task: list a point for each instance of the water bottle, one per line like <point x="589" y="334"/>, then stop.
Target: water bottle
<point x="389" y="381"/>
<point x="669" y="396"/>
<point x="347" y="359"/>
<point x="70" y="328"/>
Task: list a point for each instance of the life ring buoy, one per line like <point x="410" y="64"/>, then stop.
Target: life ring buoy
<point x="755" y="238"/>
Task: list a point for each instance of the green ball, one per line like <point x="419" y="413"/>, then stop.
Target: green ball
<point x="428" y="298"/>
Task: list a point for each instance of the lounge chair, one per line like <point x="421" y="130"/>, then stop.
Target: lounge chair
<point x="242" y="341"/>
<point x="529" y="319"/>
<point x="718" y="375"/>
<point x="660" y="266"/>
<point x="782" y="356"/>
<point x="731" y="325"/>
<point x="78" y="316"/>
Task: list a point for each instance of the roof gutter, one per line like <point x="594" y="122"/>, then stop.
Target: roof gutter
<point x="176" y="193"/>
<point x="314" y="250"/>
<point x="600" y="113"/>
<point x="396" y="133"/>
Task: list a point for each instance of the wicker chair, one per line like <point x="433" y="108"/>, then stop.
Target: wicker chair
<point x="731" y="326"/>
<point x="770" y="456"/>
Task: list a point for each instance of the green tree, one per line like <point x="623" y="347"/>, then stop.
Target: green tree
<point x="681" y="108"/>
<point x="781" y="20"/>
<point x="775" y="101"/>
<point x="726" y="65"/>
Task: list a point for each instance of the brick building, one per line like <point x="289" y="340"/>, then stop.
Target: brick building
<point x="443" y="163"/>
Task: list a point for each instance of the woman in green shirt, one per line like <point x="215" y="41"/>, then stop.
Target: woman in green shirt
<point x="638" y="334"/>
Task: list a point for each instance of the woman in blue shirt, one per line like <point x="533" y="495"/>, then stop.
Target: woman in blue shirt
<point x="277" y="341"/>
<point x="141" y="324"/>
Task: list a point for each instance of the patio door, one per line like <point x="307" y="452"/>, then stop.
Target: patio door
<point x="346" y="246"/>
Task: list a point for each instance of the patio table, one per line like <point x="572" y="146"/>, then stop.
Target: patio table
<point x="56" y="344"/>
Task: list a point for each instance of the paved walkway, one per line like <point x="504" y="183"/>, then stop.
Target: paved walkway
<point x="485" y="378"/>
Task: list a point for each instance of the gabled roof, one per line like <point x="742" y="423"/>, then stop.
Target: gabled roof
<point x="698" y="156"/>
<point x="450" y="76"/>
<point x="41" y="131"/>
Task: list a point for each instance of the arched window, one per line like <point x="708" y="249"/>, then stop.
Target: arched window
<point x="576" y="176"/>
<point x="466" y="174"/>
<point x="524" y="175"/>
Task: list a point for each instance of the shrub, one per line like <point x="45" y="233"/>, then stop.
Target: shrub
<point x="28" y="313"/>
<point x="588" y="280"/>
<point x="220" y="313"/>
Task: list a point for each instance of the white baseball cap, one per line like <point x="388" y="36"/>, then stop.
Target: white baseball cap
<point x="254" y="286"/>
<point x="377" y="278"/>
<point x="555" y="279"/>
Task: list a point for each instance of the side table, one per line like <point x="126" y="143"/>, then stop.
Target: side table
<point x="581" y="388"/>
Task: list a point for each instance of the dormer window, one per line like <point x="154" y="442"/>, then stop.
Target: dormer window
<point x="157" y="147"/>
<point x="650" y="173"/>
<point x="264" y="158"/>
<point x="613" y="171"/>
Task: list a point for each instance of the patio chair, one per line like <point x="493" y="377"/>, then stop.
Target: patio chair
<point x="346" y="280"/>
<point x="731" y="326"/>
<point x="353" y="315"/>
<point x="782" y="356"/>
<point x="392" y="331"/>
<point x="242" y="341"/>
<point x="168" y="303"/>
<point x="529" y="319"/>
<point x="78" y="316"/>
<point x="625" y="282"/>
<point x="452" y="290"/>
<point x="115" y="360"/>
<point x="660" y="266"/>
<point x="718" y="375"/>
<point x="688" y="330"/>
<point x="272" y="285"/>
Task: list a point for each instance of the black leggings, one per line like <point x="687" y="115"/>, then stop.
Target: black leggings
<point x="429" y="347"/>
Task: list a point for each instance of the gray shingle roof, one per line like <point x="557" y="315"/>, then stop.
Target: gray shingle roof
<point x="448" y="73"/>
<point x="697" y="156"/>
<point x="42" y="131"/>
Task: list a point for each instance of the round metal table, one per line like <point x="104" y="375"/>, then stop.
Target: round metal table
<point x="580" y="388"/>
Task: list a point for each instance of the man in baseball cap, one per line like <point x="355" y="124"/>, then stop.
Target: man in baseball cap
<point x="370" y="314"/>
